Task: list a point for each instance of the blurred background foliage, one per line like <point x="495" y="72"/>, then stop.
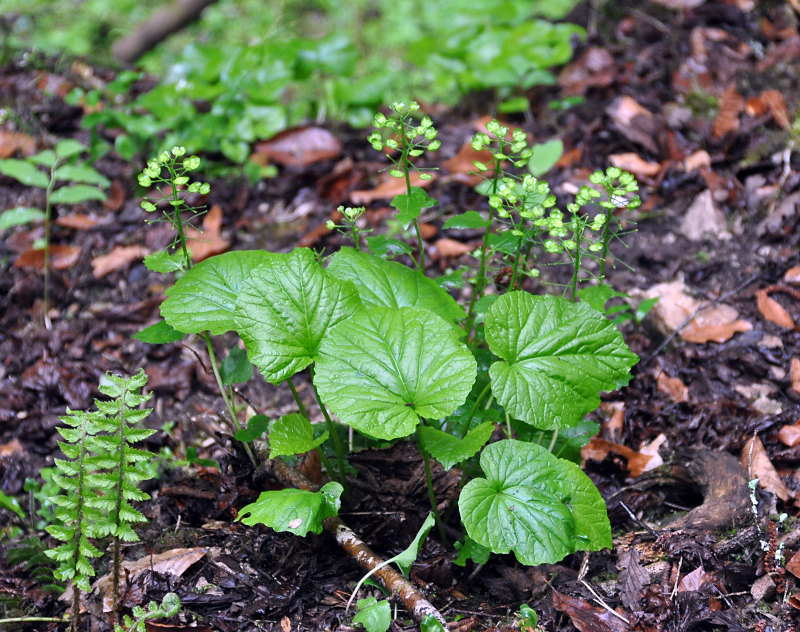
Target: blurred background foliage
<point x="249" y="68"/>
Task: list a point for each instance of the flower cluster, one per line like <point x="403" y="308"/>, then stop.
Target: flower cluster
<point x="176" y="177"/>
<point x="516" y="151"/>
<point x="403" y="135"/>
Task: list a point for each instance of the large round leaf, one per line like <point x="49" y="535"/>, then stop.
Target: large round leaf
<point x="384" y="368"/>
<point x="391" y="284"/>
<point x="204" y="298"/>
<point x="534" y="504"/>
<point x="555" y="358"/>
<point x="285" y="307"/>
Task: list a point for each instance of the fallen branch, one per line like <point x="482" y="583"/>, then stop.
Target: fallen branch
<point x="346" y="538"/>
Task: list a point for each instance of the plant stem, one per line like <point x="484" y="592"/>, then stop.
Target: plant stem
<point x="235" y="426"/>
<point x="337" y="443"/>
<point x="429" y="483"/>
<point x="515" y="267"/>
<point x="48" y="228"/>
<point x="578" y="237"/>
<point x="407" y="174"/>
<point x="606" y="238"/>
<point x="553" y="441"/>
<point x="478" y="402"/>
<point x="177" y="221"/>
<point x="26" y="619"/>
<point x="508" y="425"/>
<point x="303" y="411"/>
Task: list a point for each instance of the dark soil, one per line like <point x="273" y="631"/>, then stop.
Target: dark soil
<point x="686" y="556"/>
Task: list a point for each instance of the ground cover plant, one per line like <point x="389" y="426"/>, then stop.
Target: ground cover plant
<point x="708" y="413"/>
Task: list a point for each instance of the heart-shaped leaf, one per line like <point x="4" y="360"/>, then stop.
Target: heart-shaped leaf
<point x="374" y="615"/>
<point x="391" y="284"/>
<point x="285" y="308"/>
<point x="555" y="358"/>
<point x="297" y="511"/>
<point x="449" y="450"/>
<point x="534" y="504"/>
<point x="383" y="369"/>
<point x="204" y="299"/>
<point x="292" y="434"/>
<point x="411" y="204"/>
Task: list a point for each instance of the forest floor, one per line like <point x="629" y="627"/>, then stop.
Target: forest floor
<point x="699" y="105"/>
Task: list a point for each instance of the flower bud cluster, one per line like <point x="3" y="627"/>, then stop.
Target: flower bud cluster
<point x="177" y="170"/>
<point x="404" y="136"/>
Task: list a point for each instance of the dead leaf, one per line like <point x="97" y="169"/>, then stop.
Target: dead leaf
<point x="120" y="257"/>
<point x="78" y="221"/>
<point x="634" y="163"/>
<point x="730" y="106"/>
<point x="11" y="142"/>
<point x="792" y="275"/>
<point x="632" y="579"/>
<point x="12" y="447"/>
<point x="427" y="231"/>
<point x="570" y="157"/>
<point x="62" y="257"/>
<point x="286" y="624"/>
<point x="755" y="459"/>
<point x="672" y="386"/>
<point x="698" y="160"/>
<point x="704" y="219"/>
<point x="612" y="426"/>
<point x="460" y="165"/>
<point x="209" y="242"/>
<point x="793" y="565"/>
<point x="597" y="449"/>
<point x="116" y="196"/>
<point x="451" y="248"/>
<point x="298" y="147"/>
<point x="634" y="121"/>
<point x="693" y="581"/>
<point x="595" y="68"/>
<point x="588" y="618"/>
<point x="790" y="434"/>
<point x="776" y="105"/>
<point x="717" y="323"/>
<point x="794" y="374"/>
<point x="388" y="188"/>
<point x="652" y="449"/>
<point x="772" y="310"/>
<point x="174" y="562"/>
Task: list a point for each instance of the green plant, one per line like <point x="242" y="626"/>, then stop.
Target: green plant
<point x="384" y="346"/>
<point x="80" y="183"/>
<point x="98" y="481"/>
<point x="170" y="606"/>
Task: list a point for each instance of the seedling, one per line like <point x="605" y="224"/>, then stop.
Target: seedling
<point x="80" y="183"/>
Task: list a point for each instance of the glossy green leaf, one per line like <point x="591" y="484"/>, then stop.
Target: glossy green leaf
<point x="545" y="156"/>
<point x="555" y="358"/>
<point x="408" y="556"/>
<point x="384" y="283"/>
<point x="411" y="204"/>
<point x="293" y="434"/>
<point x="285" y="308"/>
<point x="534" y="504"/>
<point x="46" y="158"/>
<point x="19" y="216"/>
<point x="374" y="615"/>
<point x="76" y="193"/>
<point x="164" y="262"/>
<point x="297" y="511"/>
<point x="383" y="369"/>
<point x="81" y="173"/>
<point x="24" y="172"/>
<point x="204" y="299"/>
<point x="236" y="368"/>
<point x="159" y="333"/>
<point x="468" y="220"/>
<point x="431" y="624"/>
<point x="68" y="147"/>
<point x="386" y="248"/>
<point x="449" y="450"/>
<point x="257" y="425"/>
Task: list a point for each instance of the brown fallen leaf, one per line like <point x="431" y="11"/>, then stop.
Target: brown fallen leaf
<point x="790" y="434"/>
<point x="698" y="160"/>
<point x="672" y="386"/>
<point x="12" y="447"/>
<point x="700" y="334"/>
<point x="388" y="188"/>
<point x="793" y="565"/>
<point x="116" y="196"/>
<point x="62" y="257"/>
<point x="597" y="449"/>
<point x="612" y="426"/>
<point x="298" y="147"/>
<point x="772" y="310"/>
<point x="776" y="105"/>
<point x="462" y="166"/>
<point x="78" y="221"/>
<point x="209" y="242"/>
<point x="11" y="142"/>
<point x="174" y="562"/>
<point x="634" y="163"/>
<point x="595" y="68"/>
<point x="730" y="106"/>
<point x="427" y="231"/>
<point x="792" y="275"/>
<point x="632" y="578"/>
<point x="756" y="460"/>
<point x="589" y="618"/>
<point x="693" y="581"/>
<point x="704" y="218"/>
<point x="451" y="248"/>
<point x="119" y="257"/>
<point x="634" y="121"/>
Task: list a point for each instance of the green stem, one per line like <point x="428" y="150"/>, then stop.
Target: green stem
<point x="478" y="402"/>
<point x="508" y="425"/>
<point x="553" y="441"/>
<point x="177" y="220"/>
<point x="606" y="240"/>
<point x="48" y="229"/>
<point x="303" y="411"/>
<point x="26" y="619"/>
<point x="578" y="236"/>
<point x="429" y="483"/>
<point x="337" y="443"/>
<point x="515" y="267"/>
<point x="407" y="174"/>
<point x="235" y="426"/>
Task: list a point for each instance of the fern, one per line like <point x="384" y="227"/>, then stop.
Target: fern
<point x="99" y="481"/>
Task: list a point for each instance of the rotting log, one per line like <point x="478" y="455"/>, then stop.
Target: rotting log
<point x="157" y="28"/>
<point x="346" y="538"/>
